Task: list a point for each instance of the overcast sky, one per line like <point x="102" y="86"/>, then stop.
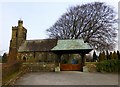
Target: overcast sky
<point x="37" y="16"/>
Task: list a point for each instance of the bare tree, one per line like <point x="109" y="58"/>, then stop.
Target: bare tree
<point x="93" y="22"/>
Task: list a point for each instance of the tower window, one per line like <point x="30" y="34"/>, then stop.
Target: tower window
<point x="16" y="35"/>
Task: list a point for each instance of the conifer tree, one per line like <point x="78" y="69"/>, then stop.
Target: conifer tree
<point x="100" y="57"/>
<point x="118" y="54"/>
<point x="111" y="55"/>
<point x="94" y="56"/>
<point x="103" y="55"/>
<point x="107" y="55"/>
<point x="4" y="58"/>
<point x="115" y="56"/>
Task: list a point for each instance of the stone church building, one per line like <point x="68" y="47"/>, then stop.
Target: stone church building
<point x="29" y="50"/>
<point x="44" y="51"/>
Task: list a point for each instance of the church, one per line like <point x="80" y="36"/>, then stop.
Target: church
<point x="48" y="52"/>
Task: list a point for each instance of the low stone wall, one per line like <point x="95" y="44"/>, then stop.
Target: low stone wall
<point x="90" y="67"/>
<point x="39" y="67"/>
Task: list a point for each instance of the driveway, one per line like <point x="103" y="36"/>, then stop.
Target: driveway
<point x="67" y="78"/>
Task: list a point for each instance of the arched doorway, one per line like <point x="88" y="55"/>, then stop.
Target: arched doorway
<point x="24" y="59"/>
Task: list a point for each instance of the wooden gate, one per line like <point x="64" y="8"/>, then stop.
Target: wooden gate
<point x="70" y="67"/>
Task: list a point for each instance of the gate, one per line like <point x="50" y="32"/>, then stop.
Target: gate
<point x="70" y="67"/>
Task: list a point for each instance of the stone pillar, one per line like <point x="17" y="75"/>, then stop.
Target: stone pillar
<point x="59" y="58"/>
<point x="83" y="60"/>
<point x="57" y="68"/>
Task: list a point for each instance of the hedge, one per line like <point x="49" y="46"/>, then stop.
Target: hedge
<point x="108" y="65"/>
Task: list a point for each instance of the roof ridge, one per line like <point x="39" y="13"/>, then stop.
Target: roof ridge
<point x="40" y="39"/>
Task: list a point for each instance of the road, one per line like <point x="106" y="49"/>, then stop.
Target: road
<point x="67" y="78"/>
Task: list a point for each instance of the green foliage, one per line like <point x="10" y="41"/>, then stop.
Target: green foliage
<point x="64" y="59"/>
<point x="115" y="56"/>
<point x="108" y="65"/>
<point x="111" y="55"/>
<point x="109" y="62"/>
<point x="118" y="54"/>
<point x="107" y="55"/>
<point x="102" y="56"/>
<point x="0" y="59"/>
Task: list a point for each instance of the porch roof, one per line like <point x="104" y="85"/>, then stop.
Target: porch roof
<point x="71" y="44"/>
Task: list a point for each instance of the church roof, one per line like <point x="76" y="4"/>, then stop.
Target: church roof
<point x="37" y="45"/>
<point x="71" y="44"/>
<point x="53" y="45"/>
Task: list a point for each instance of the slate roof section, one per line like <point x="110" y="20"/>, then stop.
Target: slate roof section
<point x="37" y="45"/>
<point x="71" y="44"/>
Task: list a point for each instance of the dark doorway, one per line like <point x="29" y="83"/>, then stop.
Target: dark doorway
<point x="24" y="59"/>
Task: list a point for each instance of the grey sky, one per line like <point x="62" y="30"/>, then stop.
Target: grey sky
<point x="37" y="16"/>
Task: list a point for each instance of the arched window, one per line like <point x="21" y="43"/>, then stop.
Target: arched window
<point x="24" y="59"/>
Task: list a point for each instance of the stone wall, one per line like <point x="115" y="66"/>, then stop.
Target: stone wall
<point x="32" y="57"/>
<point x="90" y="67"/>
<point x="40" y="67"/>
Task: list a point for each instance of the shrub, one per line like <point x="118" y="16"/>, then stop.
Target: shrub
<point x="108" y="65"/>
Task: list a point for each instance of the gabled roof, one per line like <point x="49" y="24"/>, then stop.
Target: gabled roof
<point x="37" y="45"/>
<point x="71" y="44"/>
<point x="54" y="45"/>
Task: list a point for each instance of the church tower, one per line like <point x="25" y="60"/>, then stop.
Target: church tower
<point x="21" y="36"/>
<point x="18" y="37"/>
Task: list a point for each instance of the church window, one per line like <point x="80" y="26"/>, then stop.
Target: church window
<point x="24" y="59"/>
<point x="16" y="35"/>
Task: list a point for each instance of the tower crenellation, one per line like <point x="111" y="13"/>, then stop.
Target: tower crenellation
<point x="20" y="23"/>
<point x="21" y="33"/>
